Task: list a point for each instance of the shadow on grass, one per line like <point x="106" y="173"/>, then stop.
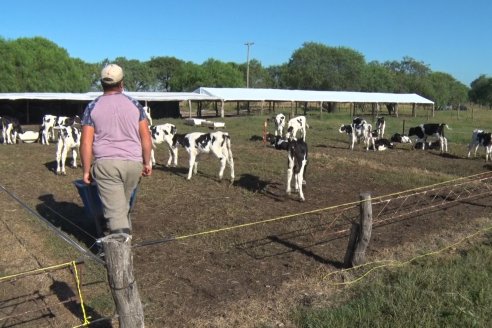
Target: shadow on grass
<point x="70" y="300"/>
<point x="254" y="184"/>
<point x="68" y="217"/>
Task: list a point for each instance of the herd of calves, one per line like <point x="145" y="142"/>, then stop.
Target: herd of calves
<point x="289" y="135"/>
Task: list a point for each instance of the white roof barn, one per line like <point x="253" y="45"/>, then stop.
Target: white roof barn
<point x="223" y="95"/>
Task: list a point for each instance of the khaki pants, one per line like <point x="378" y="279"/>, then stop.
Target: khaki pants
<point x="116" y="180"/>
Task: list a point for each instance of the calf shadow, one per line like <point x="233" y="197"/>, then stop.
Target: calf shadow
<point x="51" y="166"/>
<point x="254" y="184"/>
<point x="68" y="217"/>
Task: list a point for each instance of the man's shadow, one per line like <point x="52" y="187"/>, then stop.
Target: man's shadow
<point x="68" y="217"/>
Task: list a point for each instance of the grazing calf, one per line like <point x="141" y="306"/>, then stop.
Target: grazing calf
<point x="380" y="126"/>
<point x="68" y="139"/>
<point x="480" y="138"/>
<point x="382" y="144"/>
<point x="10" y="129"/>
<point x="164" y="133"/>
<point x="430" y="129"/>
<point x="297" y="161"/>
<point x="279" y="121"/>
<point x="217" y="143"/>
<point x="400" y="138"/>
<point x="297" y="124"/>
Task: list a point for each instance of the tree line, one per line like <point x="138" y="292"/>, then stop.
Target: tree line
<point x="39" y="65"/>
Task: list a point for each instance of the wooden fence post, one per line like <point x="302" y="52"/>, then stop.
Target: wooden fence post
<point x="119" y="264"/>
<point x="360" y="234"/>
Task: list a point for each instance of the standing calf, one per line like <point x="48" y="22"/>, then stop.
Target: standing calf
<point x="164" y="133"/>
<point x="68" y="139"/>
<point x="297" y="124"/>
<point x="430" y="129"/>
<point x="196" y="143"/>
<point x="380" y="126"/>
<point x="279" y="121"/>
<point x="10" y="129"/>
<point x="481" y="138"/>
<point x="297" y="161"/>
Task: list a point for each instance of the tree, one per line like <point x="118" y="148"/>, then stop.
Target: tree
<point x="318" y="67"/>
<point x="481" y="91"/>
<point x="164" y="70"/>
<point x="37" y="64"/>
<point x="378" y="78"/>
<point x="189" y="77"/>
<point x="446" y="90"/>
<point x="220" y="74"/>
<point x="259" y="77"/>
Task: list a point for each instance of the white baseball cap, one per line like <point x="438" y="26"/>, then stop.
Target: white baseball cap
<point x="111" y="74"/>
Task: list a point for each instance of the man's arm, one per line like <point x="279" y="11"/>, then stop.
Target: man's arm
<point x="146" y="141"/>
<point x="86" y="142"/>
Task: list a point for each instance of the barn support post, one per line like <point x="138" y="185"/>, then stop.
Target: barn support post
<point x="320" y="109"/>
<point x="27" y="112"/>
<point x="119" y="265"/>
<point x="433" y="110"/>
<point x="414" y="111"/>
<point x="261" y="108"/>
<point x="189" y="106"/>
<point x="360" y="234"/>
<point x="237" y="107"/>
<point x="222" y="108"/>
<point x="292" y="109"/>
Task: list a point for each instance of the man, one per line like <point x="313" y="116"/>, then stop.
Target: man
<point x="115" y="133"/>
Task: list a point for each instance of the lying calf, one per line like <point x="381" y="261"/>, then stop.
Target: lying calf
<point x="382" y="144"/>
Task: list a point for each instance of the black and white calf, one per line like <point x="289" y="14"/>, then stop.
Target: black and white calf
<point x="164" y="133"/>
<point x="217" y="143"/>
<point x="380" y="126"/>
<point x="10" y="129"/>
<point x="481" y="138"/>
<point x="400" y="138"/>
<point x="382" y="144"/>
<point x="147" y="113"/>
<point x="358" y="131"/>
<point x="50" y="122"/>
<point x="297" y="124"/>
<point x="279" y="121"/>
<point x="68" y="139"/>
<point x="430" y="129"/>
<point x="296" y="165"/>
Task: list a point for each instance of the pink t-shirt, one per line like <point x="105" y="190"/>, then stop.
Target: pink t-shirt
<point x="115" y="119"/>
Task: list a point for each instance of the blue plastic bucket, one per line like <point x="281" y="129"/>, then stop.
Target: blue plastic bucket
<point x="92" y="203"/>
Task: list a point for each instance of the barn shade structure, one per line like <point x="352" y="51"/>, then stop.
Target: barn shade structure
<point x="29" y="108"/>
<point x="308" y="96"/>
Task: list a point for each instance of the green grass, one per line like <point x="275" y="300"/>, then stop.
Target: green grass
<point x="453" y="291"/>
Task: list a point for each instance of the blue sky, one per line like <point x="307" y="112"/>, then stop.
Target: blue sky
<point x="449" y="36"/>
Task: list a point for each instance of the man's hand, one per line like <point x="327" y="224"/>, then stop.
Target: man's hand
<point x="147" y="170"/>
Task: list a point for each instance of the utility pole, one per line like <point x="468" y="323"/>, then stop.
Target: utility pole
<point x="248" y="44"/>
